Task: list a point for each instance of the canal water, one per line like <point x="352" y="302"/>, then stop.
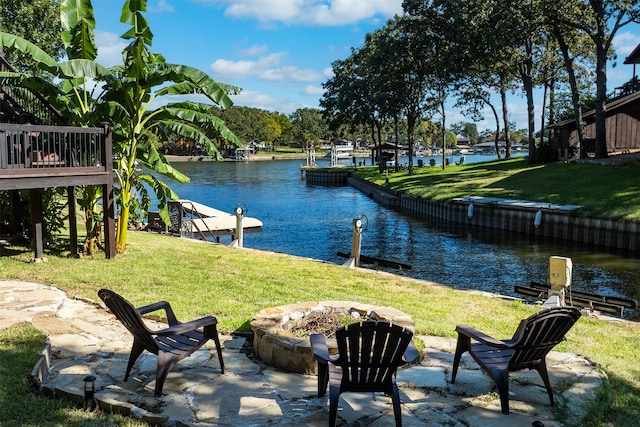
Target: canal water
<point x="316" y="222"/>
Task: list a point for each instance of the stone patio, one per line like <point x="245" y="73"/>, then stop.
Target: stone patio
<point x="86" y="339"/>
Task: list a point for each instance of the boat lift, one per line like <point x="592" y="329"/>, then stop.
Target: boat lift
<point x="197" y="221"/>
<point x="557" y="291"/>
<point x="355" y="258"/>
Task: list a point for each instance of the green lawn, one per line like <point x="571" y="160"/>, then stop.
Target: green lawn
<point x="601" y="191"/>
<point x="234" y="284"/>
<point x="20" y="348"/>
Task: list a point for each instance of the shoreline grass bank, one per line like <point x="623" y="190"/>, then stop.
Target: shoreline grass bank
<point x="609" y="191"/>
<point x="234" y="284"/>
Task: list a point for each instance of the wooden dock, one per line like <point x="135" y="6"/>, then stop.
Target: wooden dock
<point x="197" y="221"/>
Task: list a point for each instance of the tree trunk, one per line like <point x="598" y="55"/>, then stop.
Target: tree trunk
<point x="411" y="123"/>
<point x="575" y="94"/>
<point x="601" y="106"/>
<point x="497" y="118"/>
<point x="444" y="133"/>
<point x="544" y="107"/>
<point x="505" y="118"/>
<point x="526" y="74"/>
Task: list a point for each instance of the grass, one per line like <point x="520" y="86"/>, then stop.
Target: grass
<point x="20" y="348"/>
<point x="600" y="191"/>
<point x="201" y="279"/>
<point x="234" y="284"/>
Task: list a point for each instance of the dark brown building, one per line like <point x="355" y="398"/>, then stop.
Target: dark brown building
<point x="622" y="121"/>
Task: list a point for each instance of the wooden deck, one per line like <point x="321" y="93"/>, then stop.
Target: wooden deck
<point x="34" y="157"/>
<point x="53" y="156"/>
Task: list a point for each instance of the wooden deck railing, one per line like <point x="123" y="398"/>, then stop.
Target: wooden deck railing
<point x="53" y="150"/>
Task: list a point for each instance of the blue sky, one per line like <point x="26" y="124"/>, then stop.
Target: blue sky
<point x="280" y="51"/>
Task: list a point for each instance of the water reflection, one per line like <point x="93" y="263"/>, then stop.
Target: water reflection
<point x="315" y="222"/>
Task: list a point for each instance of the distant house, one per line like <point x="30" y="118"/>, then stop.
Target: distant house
<point x="622" y="121"/>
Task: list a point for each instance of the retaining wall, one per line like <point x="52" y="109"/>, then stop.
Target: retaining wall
<point x="554" y="223"/>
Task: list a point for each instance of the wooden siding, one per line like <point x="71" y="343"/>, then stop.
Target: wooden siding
<point x="53" y="156"/>
<point x="622" y="124"/>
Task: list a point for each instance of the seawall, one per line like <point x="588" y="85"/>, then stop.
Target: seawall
<point x="518" y="216"/>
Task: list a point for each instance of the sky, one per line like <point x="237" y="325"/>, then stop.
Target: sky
<point x="280" y="51"/>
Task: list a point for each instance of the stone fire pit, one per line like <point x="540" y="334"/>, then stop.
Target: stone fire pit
<point x="275" y="345"/>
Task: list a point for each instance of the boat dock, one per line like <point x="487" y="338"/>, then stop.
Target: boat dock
<point x="197" y="221"/>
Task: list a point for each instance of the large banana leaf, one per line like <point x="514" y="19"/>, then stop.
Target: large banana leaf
<point x="192" y="133"/>
<point x="84" y="68"/>
<point x="201" y="83"/>
<point x="155" y="161"/>
<point x="163" y="192"/>
<point x="78" y="23"/>
<point x="12" y="41"/>
<point x="194" y="112"/>
<point x="131" y="15"/>
<point x="72" y="12"/>
<point x="9" y="77"/>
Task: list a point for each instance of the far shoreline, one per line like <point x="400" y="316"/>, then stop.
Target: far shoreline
<point x="254" y="158"/>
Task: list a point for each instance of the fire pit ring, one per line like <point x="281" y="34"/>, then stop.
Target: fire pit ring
<point x="276" y="346"/>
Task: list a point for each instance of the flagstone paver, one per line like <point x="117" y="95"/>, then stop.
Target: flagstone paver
<point x="86" y="339"/>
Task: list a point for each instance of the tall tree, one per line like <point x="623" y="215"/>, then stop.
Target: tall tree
<point x="601" y="20"/>
<point x="482" y="51"/>
<point x="576" y="51"/>
<point x="34" y="20"/>
<point x="308" y="126"/>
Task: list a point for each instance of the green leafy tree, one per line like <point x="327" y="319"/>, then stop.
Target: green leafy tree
<point x="34" y="20"/>
<point x="348" y="102"/>
<point x="574" y="52"/>
<point x="284" y="122"/>
<point x="470" y="130"/>
<point x="125" y="94"/>
<point x="308" y="126"/>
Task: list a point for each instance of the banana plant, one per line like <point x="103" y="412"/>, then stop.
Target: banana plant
<point x="130" y="91"/>
<point x="123" y="96"/>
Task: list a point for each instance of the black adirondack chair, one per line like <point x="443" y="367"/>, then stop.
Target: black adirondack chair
<point x="171" y="344"/>
<point x="528" y="349"/>
<point x="369" y="354"/>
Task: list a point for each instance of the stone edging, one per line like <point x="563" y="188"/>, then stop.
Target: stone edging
<point x="278" y="348"/>
<point x="41" y="371"/>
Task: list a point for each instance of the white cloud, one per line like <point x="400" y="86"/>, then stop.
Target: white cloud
<point x="266" y="102"/>
<point x="266" y="68"/>
<point x="110" y="47"/>
<point x="309" y="12"/>
<point x="160" y="6"/>
<point x="254" y="50"/>
<point x="226" y="69"/>
<point x="313" y="91"/>
<point x="624" y="43"/>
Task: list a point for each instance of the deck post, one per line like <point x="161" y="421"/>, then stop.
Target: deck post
<point x="73" y="225"/>
<point x="108" y="209"/>
<point x="35" y="198"/>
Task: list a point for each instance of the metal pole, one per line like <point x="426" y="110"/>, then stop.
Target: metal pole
<point x="239" y="229"/>
<point x="356" y="241"/>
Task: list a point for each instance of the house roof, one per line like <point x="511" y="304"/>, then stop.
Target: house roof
<point x="611" y="106"/>
<point x="634" y="57"/>
<point x="387" y="146"/>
